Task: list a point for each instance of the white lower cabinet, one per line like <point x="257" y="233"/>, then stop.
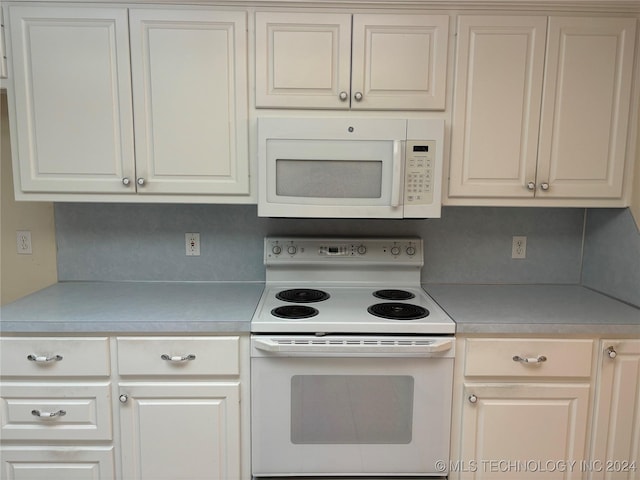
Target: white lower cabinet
<point x="57" y="463"/>
<point x="56" y="409"/>
<point x="523" y="408"/>
<point x="180" y="413"/>
<point x="181" y="430"/>
<point x="169" y="408"/>
<point x="616" y="424"/>
<point x="509" y="429"/>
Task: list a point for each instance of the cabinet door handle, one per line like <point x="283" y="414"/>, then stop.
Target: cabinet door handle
<point x="611" y="352"/>
<point x="358" y="96"/>
<point x="531" y="186"/>
<point x="178" y="358"/>
<point x="126" y="182"/>
<point x="39" y="414"/>
<point x="44" y="358"/>
<point x="473" y="399"/>
<point x="530" y="360"/>
<point x="343" y="96"/>
<point x="544" y="186"/>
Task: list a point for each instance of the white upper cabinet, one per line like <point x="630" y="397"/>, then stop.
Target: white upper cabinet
<point x="343" y="61"/>
<point x="92" y="83"/>
<point x="534" y="127"/>
<point x="497" y="92"/>
<point x="72" y="90"/>
<point x="3" y="50"/>
<point x="303" y="60"/>
<point x="189" y="99"/>
<point x="585" y="107"/>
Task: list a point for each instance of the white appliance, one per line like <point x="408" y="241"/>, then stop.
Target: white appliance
<point x="351" y="362"/>
<point x="350" y="167"/>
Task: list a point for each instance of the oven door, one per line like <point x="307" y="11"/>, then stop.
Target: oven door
<point x="351" y="405"/>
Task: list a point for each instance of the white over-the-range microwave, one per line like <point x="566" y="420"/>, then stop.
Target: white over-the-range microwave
<point x="350" y="167"/>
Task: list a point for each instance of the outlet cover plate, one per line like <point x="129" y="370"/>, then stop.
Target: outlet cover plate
<point x="23" y="242"/>
<point x="192" y="244"/>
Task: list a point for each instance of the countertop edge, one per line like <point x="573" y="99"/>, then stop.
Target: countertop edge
<point x="128" y="328"/>
<point x="550" y="329"/>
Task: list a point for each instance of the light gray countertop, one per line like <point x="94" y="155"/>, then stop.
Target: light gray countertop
<point x="203" y="307"/>
<point x="535" y="309"/>
<point x="140" y="307"/>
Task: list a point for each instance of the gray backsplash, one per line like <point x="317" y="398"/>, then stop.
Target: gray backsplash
<point x="612" y="254"/>
<point x="119" y="242"/>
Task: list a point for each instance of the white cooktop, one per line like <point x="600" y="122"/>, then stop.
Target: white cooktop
<point x="349" y="271"/>
<point x="345" y="311"/>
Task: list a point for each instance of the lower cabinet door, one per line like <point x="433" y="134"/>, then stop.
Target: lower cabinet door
<point x="516" y="431"/>
<point x="57" y="463"/>
<point x="171" y="431"/>
<point x="616" y="446"/>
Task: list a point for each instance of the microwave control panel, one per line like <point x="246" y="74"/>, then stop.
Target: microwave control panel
<point x="419" y="172"/>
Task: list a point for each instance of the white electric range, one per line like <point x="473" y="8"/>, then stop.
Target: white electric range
<point x="351" y="362"/>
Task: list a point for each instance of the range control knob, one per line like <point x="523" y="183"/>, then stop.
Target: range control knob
<point x="395" y="250"/>
<point x="411" y="251"/>
<point x="276" y="250"/>
<point x="292" y="249"/>
<point x="361" y="250"/>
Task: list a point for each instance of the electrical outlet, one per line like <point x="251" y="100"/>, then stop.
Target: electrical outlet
<point x="519" y="247"/>
<point x="192" y="244"/>
<point x="23" y="242"/>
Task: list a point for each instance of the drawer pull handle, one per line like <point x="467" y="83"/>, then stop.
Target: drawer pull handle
<point x="44" y="358"/>
<point x="530" y="360"/>
<point x="611" y="352"/>
<point x="39" y="414"/>
<point x="178" y="358"/>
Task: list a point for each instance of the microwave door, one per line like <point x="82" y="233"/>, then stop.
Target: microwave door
<point x="334" y="178"/>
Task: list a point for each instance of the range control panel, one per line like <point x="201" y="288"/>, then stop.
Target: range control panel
<point x="419" y="172"/>
<point x="337" y="250"/>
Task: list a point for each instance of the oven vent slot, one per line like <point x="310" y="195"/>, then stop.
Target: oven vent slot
<point x="355" y="346"/>
<point x="410" y="343"/>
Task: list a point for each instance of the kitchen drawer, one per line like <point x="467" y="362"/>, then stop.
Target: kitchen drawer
<point x="54" y="356"/>
<point x="178" y="356"/>
<point x="47" y="462"/>
<point x="538" y="357"/>
<point x="60" y="411"/>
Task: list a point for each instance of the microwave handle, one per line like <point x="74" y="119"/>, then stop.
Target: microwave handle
<point x="397" y="174"/>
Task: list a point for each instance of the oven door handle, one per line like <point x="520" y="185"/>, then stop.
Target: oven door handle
<point x="353" y="347"/>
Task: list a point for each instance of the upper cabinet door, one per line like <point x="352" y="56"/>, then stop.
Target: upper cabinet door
<point x="497" y="94"/>
<point x="190" y="101"/>
<point x="399" y="62"/>
<point x="316" y="60"/>
<point x="303" y="60"/>
<point x="585" y="110"/>
<point x="3" y="51"/>
<point x="73" y="121"/>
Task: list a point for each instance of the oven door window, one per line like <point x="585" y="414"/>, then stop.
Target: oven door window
<point x="351" y="409"/>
